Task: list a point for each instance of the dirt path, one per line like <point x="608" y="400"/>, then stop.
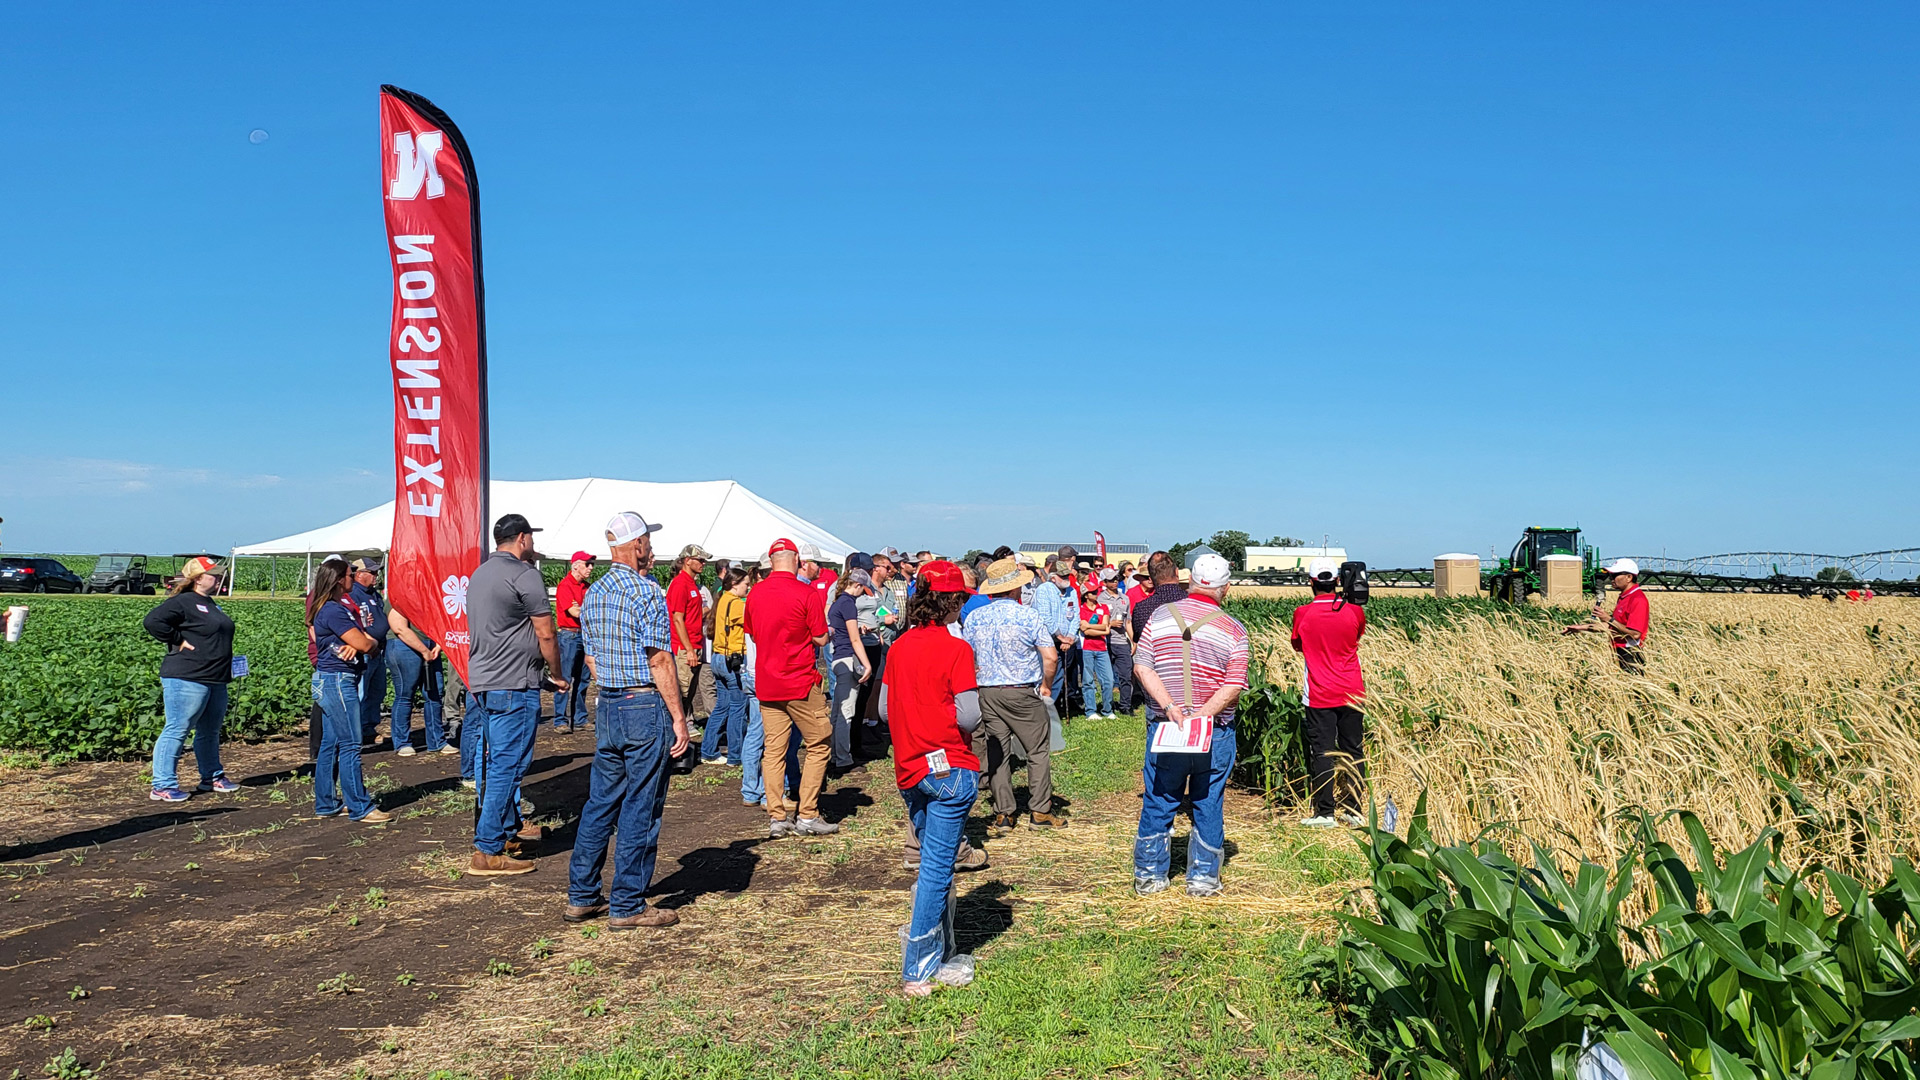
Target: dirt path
<point x="238" y="936"/>
<point x="202" y="934"/>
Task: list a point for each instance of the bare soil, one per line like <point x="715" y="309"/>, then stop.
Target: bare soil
<point x="238" y="935"/>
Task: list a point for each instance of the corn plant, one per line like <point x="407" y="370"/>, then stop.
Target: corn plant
<point x="1475" y="967"/>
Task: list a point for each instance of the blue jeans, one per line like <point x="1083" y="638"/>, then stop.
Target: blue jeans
<point x="570" y="706"/>
<point x="196" y="706"/>
<point x="336" y="770"/>
<point x="632" y="733"/>
<point x="1096" y="676"/>
<point x="1170" y="778"/>
<point x="470" y="732"/>
<point x="1060" y="681"/>
<point x="938" y="806"/>
<point x="373" y="691"/>
<point x="410" y="671"/>
<point x="729" y="714"/>
<point x="509" y="719"/>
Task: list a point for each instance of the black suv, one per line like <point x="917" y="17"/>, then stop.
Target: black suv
<point x="36" y="575"/>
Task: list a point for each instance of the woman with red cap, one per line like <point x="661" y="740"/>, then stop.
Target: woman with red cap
<point x="193" y="680"/>
<point x="929" y="701"/>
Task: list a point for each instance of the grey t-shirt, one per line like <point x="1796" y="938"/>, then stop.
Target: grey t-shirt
<point x="502" y="595"/>
<point x="867" y="607"/>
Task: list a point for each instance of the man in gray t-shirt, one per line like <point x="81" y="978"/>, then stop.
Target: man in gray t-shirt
<point x="512" y="626"/>
<point x="506" y="600"/>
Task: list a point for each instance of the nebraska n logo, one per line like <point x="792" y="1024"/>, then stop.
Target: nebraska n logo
<point x="417" y="165"/>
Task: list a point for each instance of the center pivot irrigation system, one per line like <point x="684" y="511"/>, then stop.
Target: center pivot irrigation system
<point x="1894" y="572"/>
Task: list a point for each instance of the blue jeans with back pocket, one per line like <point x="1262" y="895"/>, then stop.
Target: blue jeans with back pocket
<point x="938" y="807"/>
<point x="627" y="789"/>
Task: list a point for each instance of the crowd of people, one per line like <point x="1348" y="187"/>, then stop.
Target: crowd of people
<point x="960" y="671"/>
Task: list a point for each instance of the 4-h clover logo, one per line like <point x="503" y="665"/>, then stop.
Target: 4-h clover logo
<point x="453" y="595"/>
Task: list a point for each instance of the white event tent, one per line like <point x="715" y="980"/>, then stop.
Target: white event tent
<point x="719" y="515"/>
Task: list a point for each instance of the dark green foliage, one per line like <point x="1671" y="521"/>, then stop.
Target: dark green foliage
<point x="1478" y="967"/>
<point x="84" y="681"/>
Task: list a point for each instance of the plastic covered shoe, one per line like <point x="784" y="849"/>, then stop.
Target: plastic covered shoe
<point x="919" y="989"/>
<point x="1203" y="886"/>
<point x="1147" y="886"/>
<point x="957" y="971"/>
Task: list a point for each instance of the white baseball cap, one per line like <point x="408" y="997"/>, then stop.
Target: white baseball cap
<point x="1210" y="571"/>
<point x="626" y="526"/>
<point x="1623" y="566"/>
<point x="1323" y="569"/>
<point x="809" y="552"/>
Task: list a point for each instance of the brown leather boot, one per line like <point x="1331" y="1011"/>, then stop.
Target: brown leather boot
<point x="1048" y="821"/>
<point x="578" y="914"/>
<point x="485" y="865"/>
<point x="653" y="916"/>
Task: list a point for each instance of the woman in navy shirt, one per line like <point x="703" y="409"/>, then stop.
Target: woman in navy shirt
<point x="341" y="642"/>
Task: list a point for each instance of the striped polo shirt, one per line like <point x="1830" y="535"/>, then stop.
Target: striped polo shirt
<point x="1219" y="652"/>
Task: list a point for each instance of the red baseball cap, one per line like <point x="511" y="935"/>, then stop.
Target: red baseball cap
<point x="942" y="576"/>
<point x="784" y="544"/>
<point x="581" y="556"/>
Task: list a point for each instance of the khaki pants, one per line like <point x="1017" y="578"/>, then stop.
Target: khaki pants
<point x="778" y="719"/>
<point x="696" y="688"/>
<point x="1009" y="713"/>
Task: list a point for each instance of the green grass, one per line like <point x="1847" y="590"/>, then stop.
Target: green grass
<point x="1205" y="997"/>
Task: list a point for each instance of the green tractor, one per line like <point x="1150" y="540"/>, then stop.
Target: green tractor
<point x="1518" y="575"/>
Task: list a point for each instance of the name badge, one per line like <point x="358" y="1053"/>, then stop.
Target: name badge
<point x="937" y="762"/>
<point x="239" y="668"/>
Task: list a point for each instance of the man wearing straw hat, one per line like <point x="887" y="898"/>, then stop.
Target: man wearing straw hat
<point x="1015" y="659"/>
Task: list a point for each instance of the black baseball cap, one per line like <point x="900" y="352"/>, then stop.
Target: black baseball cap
<point x="511" y="526"/>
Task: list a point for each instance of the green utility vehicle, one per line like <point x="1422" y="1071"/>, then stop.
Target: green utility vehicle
<point x="1518" y="575"/>
<point x="122" y="574"/>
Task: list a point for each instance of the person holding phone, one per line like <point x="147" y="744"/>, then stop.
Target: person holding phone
<point x="931" y="703"/>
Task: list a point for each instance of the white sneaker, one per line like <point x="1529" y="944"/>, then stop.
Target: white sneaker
<point x="1350" y="819"/>
<point x="1106" y="716"/>
<point x="449" y="749"/>
<point x="1319" y="823"/>
<point x="405" y="751"/>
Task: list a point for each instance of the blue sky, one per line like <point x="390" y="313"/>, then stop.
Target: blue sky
<point x="1409" y="276"/>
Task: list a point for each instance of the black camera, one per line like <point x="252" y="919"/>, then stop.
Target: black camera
<point x="1353" y="583"/>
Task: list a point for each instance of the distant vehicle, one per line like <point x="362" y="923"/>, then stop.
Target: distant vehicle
<point x="1519" y="573"/>
<point x="37" y="575"/>
<point x="122" y="574"/>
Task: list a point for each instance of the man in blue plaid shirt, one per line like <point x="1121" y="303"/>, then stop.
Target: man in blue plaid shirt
<point x="638" y="731"/>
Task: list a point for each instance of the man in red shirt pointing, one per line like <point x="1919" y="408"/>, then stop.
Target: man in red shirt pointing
<point x="1628" y="624"/>
<point x="1326" y="634"/>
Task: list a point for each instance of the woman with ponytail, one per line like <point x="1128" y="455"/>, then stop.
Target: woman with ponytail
<point x="929" y="702"/>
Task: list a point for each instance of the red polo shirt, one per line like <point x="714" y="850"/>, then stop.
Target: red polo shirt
<point x="1327" y="633"/>
<point x="926" y="669"/>
<point x="683" y="598"/>
<point x="784" y="615"/>
<point x="1631" y="610"/>
<point x="570" y="593"/>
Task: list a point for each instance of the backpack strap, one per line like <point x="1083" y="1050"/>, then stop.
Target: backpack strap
<point x="1186" y="644"/>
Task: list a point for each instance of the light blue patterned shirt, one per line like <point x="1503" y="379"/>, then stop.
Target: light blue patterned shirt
<point x="623" y="616"/>
<point x="1006" y="639"/>
<point x="1060" y="611"/>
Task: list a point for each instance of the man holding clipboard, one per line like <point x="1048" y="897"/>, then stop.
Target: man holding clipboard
<point x="1191" y="662"/>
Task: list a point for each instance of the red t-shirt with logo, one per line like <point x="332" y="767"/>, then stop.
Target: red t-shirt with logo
<point x="927" y="668"/>
<point x="1327" y="633"/>
<point x="569" y="593"/>
<point x="683" y="598"/>
<point x="1094" y="613"/>
<point x="1631" y="610"/>
<point x="784" y="615"/>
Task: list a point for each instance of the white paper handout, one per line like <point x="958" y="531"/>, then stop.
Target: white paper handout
<point x="1196" y="737"/>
